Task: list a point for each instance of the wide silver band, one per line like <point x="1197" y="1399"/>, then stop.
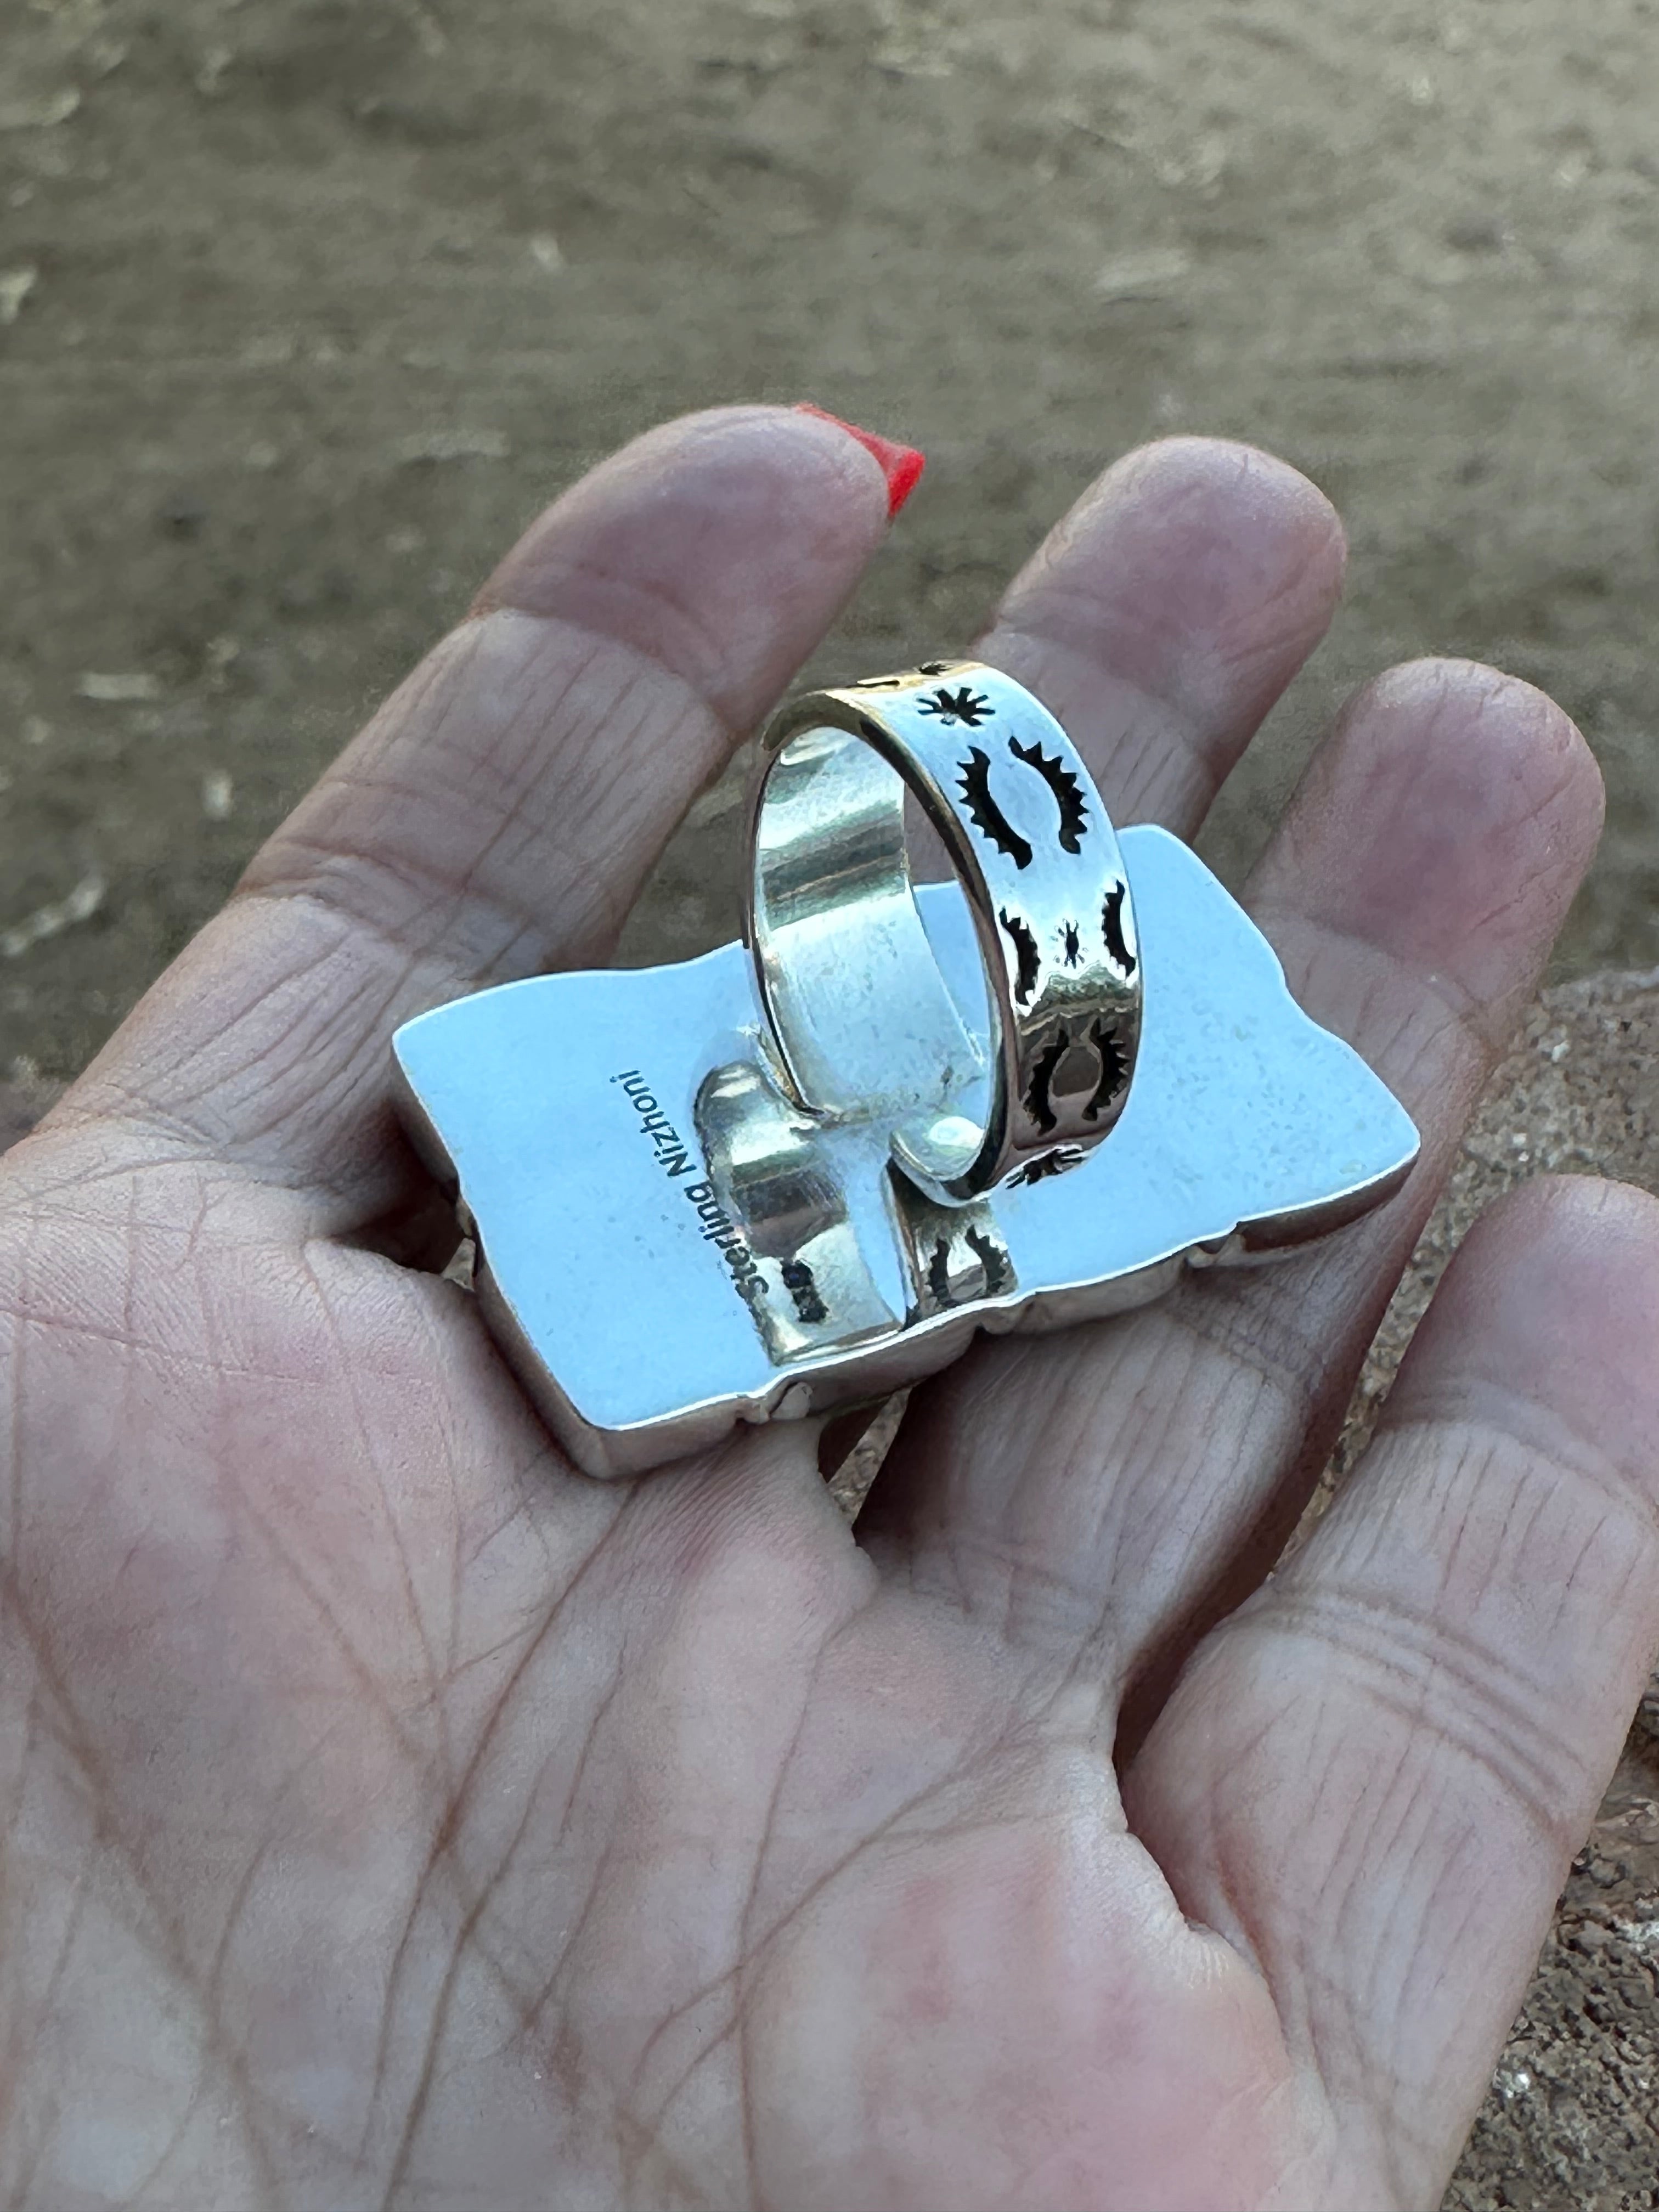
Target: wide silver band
<point x="862" y="1020"/>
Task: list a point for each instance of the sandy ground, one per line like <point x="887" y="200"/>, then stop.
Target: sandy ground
<point x="305" y="308"/>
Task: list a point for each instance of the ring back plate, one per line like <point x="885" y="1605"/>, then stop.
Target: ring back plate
<point x="666" y="1246"/>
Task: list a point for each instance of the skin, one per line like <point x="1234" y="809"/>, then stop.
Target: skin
<point x="395" y="1818"/>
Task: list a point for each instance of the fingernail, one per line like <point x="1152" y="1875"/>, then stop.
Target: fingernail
<point x="901" y="465"/>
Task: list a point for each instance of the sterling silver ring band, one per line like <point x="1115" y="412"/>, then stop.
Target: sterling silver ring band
<point x="861" y="1019"/>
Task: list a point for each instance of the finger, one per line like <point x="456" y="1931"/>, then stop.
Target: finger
<point x="1109" y="1492"/>
<point x="1163" y="618"/>
<point x="1373" y="1777"/>
<point x="501" y="810"/>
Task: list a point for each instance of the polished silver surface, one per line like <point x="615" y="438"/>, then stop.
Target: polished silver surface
<point x="1020" y="1080"/>
<point x="669" y="1243"/>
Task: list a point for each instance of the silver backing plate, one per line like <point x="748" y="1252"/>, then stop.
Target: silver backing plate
<point x="647" y="1305"/>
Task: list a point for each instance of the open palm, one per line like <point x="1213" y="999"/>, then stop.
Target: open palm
<point x="394" y="1818"/>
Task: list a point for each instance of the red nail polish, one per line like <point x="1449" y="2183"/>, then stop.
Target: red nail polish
<point x="901" y="465"/>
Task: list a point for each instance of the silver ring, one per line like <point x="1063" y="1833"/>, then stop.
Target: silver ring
<point x="861" y="1019"/>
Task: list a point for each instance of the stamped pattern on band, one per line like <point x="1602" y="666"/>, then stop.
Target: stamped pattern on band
<point x="1059" y="1162"/>
<point x="964" y="705"/>
<point x="1111" y="924"/>
<point x="1039" y="1104"/>
<point x="987" y="817"/>
<point x="904" y="680"/>
<point x="1068" y="792"/>
<point x="1096" y="1056"/>
<point x="995" y="1266"/>
<point x="1113" y="1069"/>
<point x="1025" y="949"/>
<point x="986" y="814"/>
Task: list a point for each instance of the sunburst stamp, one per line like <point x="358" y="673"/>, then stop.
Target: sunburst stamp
<point x="963" y="705"/>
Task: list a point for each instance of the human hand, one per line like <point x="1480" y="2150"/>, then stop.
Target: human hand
<point x="395" y="1818"/>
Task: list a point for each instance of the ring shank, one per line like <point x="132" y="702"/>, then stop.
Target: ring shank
<point x="858" y="1007"/>
<point x="1024" y="1084"/>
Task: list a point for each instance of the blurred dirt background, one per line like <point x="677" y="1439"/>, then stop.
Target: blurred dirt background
<point x="306" y="306"/>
